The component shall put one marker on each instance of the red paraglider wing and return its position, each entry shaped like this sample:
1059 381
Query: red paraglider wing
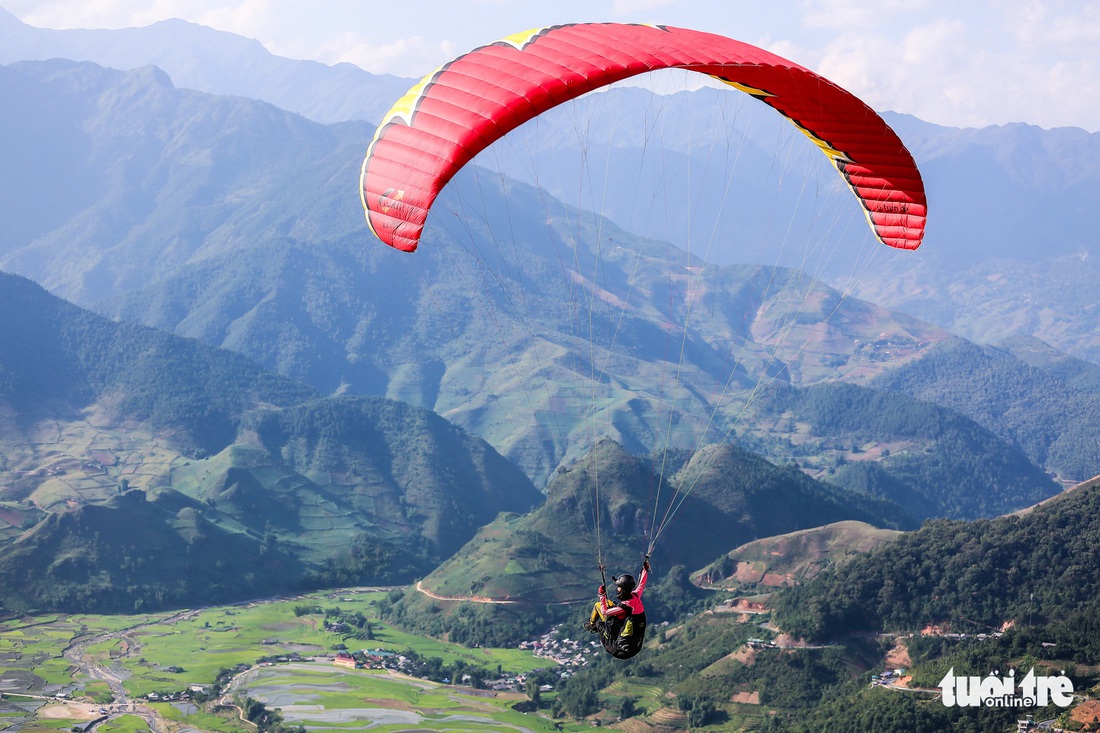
464 106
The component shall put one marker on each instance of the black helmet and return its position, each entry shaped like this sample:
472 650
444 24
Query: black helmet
625 585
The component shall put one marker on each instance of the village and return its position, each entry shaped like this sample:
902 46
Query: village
565 653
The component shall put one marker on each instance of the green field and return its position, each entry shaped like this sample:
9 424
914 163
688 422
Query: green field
124 724
221 637
166 653
339 699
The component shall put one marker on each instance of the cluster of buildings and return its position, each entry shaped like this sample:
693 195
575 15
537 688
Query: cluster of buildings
889 677
568 653
183 696
371 659
562 650
380 659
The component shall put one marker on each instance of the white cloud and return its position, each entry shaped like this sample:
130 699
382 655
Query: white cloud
252 18
850 15
1058 25
411 57
988 64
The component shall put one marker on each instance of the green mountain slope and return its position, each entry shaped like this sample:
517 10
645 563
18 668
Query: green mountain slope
59 360
106 425
1076 373
395 460
723 496
518 566
134 553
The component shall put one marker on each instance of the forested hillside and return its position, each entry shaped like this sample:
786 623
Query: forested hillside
1049 405
59 360
1037 567
1011 594
932 461
137 552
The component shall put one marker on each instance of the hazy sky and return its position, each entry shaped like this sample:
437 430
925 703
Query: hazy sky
953 62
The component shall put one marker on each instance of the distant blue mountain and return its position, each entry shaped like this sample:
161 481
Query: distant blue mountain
1011 246
201 58
112 179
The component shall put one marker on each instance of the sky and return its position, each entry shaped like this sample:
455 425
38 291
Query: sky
964 63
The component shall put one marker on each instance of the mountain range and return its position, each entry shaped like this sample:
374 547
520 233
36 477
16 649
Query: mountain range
118 178
262 262
1010 249
203 59
110 424
109 428
266 255
176 213
246 395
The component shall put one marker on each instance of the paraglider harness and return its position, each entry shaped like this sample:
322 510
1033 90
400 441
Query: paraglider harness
611 628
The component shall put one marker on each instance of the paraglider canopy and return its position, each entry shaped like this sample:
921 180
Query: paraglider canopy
465 105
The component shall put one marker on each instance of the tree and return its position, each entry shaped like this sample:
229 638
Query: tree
579 699
532 688
701 712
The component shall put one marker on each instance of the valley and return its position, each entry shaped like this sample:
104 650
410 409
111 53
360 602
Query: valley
723 665
64 671
199 670
260 473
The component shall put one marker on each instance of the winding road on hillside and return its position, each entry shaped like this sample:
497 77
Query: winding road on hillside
467 599
480 599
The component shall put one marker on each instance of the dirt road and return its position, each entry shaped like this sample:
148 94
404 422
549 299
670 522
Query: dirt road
467 599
